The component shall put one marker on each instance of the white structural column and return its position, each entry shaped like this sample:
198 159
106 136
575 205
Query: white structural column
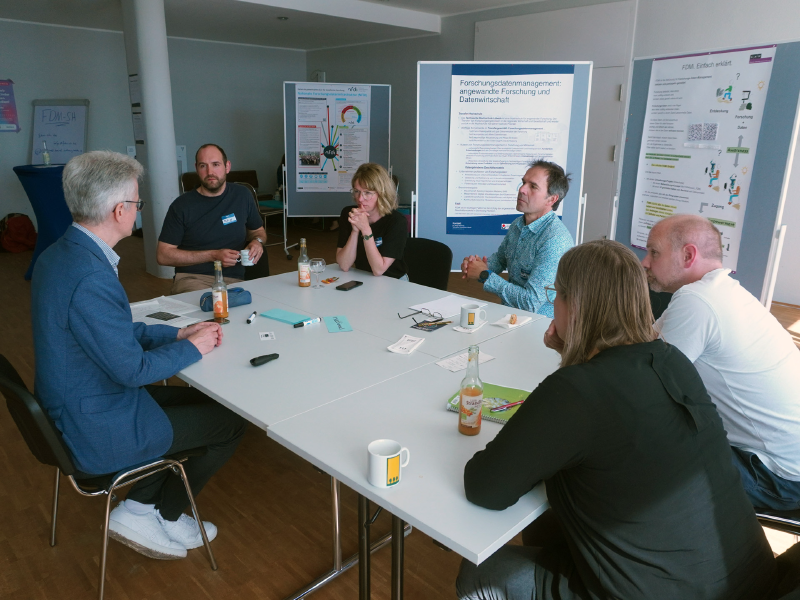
146 50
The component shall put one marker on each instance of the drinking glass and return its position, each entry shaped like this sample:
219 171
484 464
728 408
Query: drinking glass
317 266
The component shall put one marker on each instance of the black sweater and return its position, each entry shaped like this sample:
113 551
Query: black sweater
638 469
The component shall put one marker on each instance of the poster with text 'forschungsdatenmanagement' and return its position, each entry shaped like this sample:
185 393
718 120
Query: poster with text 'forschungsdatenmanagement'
700 136
332 135
502 117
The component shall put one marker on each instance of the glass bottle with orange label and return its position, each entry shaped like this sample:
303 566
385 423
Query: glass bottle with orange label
303 266
219 295
471 404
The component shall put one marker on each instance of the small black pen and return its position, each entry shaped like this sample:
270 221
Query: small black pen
251 318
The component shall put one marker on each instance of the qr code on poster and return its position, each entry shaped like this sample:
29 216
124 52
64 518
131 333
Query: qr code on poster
695 132
710 131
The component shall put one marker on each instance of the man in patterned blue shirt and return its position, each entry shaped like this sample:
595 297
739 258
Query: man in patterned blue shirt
533 245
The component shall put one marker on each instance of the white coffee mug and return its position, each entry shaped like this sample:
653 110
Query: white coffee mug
244 256
472 316
385 462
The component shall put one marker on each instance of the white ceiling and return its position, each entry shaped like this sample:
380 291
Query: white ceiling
312 24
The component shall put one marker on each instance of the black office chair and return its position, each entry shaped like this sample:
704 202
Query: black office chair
258 270
46 444
786 521
659 302
428 262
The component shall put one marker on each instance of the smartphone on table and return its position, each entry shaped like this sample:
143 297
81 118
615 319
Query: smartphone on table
346 287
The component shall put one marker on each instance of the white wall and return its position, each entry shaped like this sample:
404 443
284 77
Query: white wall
228 94
679 26
232 95
59 62
395 63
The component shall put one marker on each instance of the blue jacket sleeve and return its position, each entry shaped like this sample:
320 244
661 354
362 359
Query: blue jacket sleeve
100 320
153 336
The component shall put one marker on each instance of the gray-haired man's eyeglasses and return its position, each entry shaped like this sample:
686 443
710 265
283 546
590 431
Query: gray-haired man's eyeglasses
139 204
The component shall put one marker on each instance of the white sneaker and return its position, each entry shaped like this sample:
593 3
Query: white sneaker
186 531
143 533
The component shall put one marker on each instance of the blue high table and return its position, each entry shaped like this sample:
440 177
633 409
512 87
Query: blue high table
43 186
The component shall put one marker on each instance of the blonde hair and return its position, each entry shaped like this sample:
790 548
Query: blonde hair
372 176
605 288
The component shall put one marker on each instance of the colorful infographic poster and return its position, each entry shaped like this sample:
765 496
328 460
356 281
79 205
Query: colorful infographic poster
9 120
332 135
700 136
502 117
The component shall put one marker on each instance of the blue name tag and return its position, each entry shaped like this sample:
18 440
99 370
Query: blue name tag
228 219
378 241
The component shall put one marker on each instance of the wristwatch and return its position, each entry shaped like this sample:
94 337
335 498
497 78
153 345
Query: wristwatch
484 275
366 237
259 240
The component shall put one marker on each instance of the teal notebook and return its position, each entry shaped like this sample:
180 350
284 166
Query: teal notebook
494 396
284 316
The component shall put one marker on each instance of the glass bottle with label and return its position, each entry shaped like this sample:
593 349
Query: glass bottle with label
45 154
303 267
469 413
219 295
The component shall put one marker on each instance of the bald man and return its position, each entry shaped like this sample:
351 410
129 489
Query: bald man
747 360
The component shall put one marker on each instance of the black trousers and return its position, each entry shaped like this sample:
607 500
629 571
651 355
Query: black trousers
197 421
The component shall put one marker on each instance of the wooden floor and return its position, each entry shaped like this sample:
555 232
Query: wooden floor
271 507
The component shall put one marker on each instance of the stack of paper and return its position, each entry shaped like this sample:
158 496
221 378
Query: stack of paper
406 344
164 311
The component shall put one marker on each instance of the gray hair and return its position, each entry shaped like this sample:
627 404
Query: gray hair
95 182
557 179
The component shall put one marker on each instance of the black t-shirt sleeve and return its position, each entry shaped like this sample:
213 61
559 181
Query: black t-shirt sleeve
173 228
344 227
394 236
550 432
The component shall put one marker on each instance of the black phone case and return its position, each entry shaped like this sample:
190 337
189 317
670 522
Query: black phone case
346 287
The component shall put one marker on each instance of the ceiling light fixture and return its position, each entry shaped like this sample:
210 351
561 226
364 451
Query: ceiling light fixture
283 18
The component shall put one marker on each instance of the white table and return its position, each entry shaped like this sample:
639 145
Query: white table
352 378
373 308
430 495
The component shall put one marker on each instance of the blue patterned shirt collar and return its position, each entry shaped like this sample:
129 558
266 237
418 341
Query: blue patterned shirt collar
112 256
542 221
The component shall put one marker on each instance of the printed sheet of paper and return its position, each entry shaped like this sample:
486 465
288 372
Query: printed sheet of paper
333 124
502 116
699 141
459 362
449 306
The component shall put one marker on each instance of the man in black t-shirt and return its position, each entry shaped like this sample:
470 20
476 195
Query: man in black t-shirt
213 222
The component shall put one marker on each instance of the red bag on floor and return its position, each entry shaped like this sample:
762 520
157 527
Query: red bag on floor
17 233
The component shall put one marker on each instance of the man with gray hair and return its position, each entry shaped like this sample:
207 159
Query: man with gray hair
533 245
93 364
747 360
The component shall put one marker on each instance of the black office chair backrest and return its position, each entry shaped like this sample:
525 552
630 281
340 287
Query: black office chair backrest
258 270
261 268
189 181
428 262
38 431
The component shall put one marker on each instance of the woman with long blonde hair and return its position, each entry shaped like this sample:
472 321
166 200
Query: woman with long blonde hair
645 500
373 234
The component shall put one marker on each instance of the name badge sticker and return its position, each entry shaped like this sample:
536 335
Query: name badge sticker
228 219
378 241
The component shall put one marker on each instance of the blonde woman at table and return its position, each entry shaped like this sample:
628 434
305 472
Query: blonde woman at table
645 500
372 233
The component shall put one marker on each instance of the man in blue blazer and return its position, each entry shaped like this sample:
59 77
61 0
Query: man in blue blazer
93 364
